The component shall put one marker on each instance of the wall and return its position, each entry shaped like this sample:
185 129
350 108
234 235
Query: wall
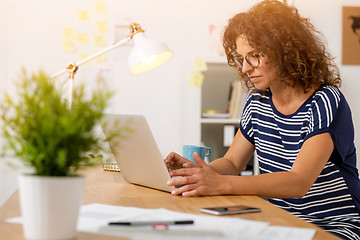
31 37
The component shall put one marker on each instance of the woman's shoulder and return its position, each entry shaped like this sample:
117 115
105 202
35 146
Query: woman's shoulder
326 102
328 90
327 94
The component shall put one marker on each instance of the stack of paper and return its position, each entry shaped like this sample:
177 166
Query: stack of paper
94 218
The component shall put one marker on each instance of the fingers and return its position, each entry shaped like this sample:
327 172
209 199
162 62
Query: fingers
200 162
182 176
196 181
178 181
187 189
192 193
172 157
186 165
182 172
173 160
185 173
189 164
176 161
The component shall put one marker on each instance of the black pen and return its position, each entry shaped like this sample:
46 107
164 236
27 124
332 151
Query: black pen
147 223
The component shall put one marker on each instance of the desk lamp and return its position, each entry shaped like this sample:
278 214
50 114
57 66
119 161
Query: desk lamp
146 55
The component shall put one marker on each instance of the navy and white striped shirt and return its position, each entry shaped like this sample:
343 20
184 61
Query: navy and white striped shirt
333 201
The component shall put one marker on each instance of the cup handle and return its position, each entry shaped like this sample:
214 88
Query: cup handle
208 149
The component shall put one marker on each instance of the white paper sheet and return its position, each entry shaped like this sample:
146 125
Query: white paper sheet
94 218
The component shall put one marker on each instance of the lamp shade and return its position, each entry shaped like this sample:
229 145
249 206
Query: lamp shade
147 54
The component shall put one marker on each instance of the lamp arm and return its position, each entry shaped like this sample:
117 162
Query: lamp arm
85 60
115 45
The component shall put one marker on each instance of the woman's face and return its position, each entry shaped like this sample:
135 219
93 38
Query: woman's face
262 76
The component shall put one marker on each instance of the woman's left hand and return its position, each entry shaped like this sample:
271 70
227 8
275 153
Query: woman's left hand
202 180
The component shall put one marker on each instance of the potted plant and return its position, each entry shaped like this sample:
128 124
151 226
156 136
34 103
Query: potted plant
54 140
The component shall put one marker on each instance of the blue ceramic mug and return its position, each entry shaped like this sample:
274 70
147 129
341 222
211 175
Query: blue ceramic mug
202 151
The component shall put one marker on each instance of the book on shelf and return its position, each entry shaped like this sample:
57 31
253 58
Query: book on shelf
235 96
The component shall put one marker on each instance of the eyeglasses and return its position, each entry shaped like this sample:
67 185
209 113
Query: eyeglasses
253 59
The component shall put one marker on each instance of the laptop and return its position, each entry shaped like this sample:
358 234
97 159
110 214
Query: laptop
136 151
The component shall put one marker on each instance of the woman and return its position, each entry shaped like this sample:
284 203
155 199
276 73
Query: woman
295 118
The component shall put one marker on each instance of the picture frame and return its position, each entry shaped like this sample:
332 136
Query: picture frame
350 35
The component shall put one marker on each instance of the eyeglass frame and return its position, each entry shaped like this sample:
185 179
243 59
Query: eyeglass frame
240 62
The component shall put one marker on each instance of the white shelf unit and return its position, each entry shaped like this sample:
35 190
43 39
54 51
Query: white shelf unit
215 96
220 120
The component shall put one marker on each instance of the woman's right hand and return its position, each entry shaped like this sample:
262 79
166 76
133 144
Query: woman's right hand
175 161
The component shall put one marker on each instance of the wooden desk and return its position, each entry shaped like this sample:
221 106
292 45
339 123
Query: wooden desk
110 188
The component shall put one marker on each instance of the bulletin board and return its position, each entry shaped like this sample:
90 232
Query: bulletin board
351 36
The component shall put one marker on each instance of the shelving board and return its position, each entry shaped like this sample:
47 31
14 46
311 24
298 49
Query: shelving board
220 120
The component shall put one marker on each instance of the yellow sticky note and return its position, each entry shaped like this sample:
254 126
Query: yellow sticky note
100 7
83 56
69 46
99 40
101 58
196 79
199 65
68 33
102 26
83 15
82 38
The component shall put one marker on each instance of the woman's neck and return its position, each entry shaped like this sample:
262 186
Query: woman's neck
287 100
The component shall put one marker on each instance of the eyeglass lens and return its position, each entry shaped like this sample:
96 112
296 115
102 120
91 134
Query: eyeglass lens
253 59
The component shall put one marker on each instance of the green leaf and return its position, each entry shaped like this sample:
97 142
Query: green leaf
42 131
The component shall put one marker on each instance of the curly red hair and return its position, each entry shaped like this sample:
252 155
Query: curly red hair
292 44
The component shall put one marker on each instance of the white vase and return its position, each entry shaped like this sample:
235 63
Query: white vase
50 206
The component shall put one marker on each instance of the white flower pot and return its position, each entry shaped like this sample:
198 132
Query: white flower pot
50 206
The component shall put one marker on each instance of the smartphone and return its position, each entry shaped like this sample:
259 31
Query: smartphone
229 210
